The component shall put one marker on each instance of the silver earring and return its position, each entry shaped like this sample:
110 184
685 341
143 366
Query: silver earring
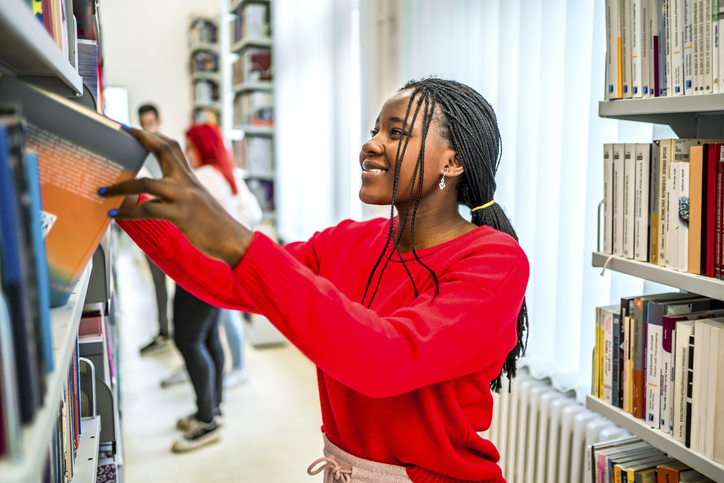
442 182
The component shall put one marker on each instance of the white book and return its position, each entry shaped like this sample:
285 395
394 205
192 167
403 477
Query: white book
625 19
626 358
682 216
613 43
654 334
672 240
688 51
653 31
661 51
696 385
721 50
608 354
676 20
715 47
719 412
696 6
641 204
618 200
684 329
669 91
629 193
704 387
714 325
708 43
636 48
665 158
608 198
645 13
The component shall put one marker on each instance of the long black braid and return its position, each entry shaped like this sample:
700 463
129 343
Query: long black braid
468 123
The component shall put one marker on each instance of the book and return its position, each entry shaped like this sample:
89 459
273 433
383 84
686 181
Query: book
597 351
708 44
641 202
645 7
618 198
710 202
684 330
670 472
608 198
711 333
718 409
629 199
616 359
681 216
665 159
655 49
715 47
608 321
696 6
591 458
688 48
654 204
676 27
637 56
719 190
624 367
689 428
696 180
721 51
662 48
78 152
699 375
672 239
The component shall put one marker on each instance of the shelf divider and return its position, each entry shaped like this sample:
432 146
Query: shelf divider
86 462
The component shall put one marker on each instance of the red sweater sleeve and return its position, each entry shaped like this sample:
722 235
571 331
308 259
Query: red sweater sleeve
470 324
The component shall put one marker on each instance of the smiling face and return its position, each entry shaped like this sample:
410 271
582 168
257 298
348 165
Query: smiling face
378 155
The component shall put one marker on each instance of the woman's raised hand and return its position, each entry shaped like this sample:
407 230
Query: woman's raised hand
180 199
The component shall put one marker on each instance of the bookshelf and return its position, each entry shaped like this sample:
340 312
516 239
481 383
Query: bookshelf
27 51
255 130
246 43
205 70
37 435
252 86
657 438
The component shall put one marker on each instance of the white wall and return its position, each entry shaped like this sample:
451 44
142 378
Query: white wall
145 46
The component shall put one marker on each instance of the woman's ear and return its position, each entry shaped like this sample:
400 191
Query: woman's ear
453 167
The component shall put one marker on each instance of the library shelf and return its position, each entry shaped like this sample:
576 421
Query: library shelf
265 42
249 130
215 106
253 86
36 436
28 52
211 76
707 286
256 175
86 461
235 4
657 438
203 46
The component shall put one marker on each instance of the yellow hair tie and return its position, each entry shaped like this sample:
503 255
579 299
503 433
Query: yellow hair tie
489 203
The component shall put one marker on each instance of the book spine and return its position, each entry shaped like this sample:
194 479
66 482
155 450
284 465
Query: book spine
615 359
654 48
636 47
668 72
719 406
688 61
720 225
710 403
662 48
629 188
608 356
695 375
708 46
712 163
695 36
681 357
641 205
608 198
664 158
702 396
677 49
718 219
596 356
666 388
696 167
618 198
682 216
715 47
630 366
654 204
688 427
624 371
721 51
653 367
645 5
602 349
672 245
639 360
625 19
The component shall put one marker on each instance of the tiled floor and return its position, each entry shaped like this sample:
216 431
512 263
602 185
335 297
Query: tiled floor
272 423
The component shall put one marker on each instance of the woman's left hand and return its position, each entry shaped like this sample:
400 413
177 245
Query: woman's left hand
183 201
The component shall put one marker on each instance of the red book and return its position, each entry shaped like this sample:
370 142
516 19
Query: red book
718 218
710 200
48 17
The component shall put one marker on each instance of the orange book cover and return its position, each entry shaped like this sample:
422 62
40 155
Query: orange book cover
78 151
696 166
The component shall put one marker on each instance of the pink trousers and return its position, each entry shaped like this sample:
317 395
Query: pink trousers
341 467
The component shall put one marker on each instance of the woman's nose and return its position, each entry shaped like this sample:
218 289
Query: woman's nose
372 148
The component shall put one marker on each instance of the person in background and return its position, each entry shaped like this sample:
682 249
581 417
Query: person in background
150 121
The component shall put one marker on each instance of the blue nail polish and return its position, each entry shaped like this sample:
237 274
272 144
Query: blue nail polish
125 126
102 191
113 213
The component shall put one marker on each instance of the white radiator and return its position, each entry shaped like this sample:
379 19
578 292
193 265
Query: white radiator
542 433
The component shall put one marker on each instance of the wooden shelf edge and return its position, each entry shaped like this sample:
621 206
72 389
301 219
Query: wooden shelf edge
657 438
36 436
710 287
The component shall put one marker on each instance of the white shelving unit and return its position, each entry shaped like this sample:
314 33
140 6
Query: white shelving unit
86 461
255 130
657 438
214 77
28 52
246 43
252 86
37 435
203 46
690 117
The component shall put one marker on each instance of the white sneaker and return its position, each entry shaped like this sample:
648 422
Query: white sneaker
185 424
199 434
236 377
177 377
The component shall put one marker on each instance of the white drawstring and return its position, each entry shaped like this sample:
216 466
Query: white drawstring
332 471
605 265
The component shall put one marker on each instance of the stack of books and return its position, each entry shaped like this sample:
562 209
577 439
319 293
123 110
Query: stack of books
205 61
253 65
203 31
663 48
635 461
661 359
205 91
252 23
664 204
54 17
254 153
254 108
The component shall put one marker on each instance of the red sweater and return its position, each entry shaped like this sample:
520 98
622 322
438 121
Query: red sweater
405 382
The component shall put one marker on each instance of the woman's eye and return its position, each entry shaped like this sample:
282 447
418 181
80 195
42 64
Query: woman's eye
373 132
398 132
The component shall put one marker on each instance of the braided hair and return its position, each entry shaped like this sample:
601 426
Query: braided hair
468 123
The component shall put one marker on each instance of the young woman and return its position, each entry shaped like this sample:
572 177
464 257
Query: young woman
196 322
410 321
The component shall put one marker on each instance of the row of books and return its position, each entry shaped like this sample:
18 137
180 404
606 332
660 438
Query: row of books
658 48
255 108
203 31
254 153
54 16
663 204
205 61
205 91
632 460
202 115
661 359
252 22
253 65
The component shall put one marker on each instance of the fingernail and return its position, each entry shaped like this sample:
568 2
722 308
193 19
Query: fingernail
125 126
113 213
102 191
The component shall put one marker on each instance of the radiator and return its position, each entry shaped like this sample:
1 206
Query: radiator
542 433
